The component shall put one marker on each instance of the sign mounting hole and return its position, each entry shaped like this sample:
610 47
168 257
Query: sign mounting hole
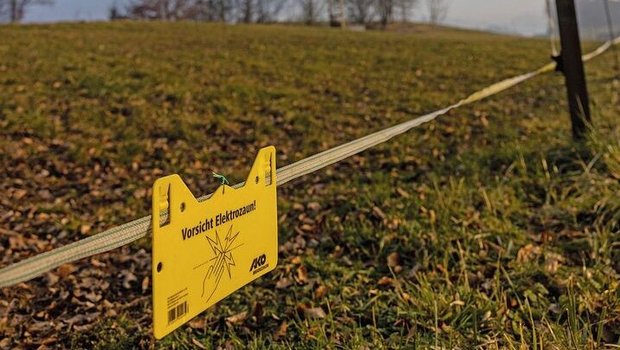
182 207
159 266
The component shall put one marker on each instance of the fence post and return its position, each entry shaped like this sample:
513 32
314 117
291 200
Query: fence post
572 67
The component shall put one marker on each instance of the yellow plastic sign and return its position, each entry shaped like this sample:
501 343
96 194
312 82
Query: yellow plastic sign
204 251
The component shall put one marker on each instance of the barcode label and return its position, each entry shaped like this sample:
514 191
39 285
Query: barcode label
177 311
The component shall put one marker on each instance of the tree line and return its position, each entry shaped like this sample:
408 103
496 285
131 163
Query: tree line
335 12
14 10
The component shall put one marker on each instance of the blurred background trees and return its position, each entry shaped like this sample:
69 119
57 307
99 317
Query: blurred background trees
14 10
437 10
241 11
335 12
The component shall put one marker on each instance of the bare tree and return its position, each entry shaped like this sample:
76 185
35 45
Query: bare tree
361 11
147 9
245 10
405 9
437 10
161 9
268 10
336 11
216 10
16 9
116 13
331 13
201 10
258 11
310 11
385 8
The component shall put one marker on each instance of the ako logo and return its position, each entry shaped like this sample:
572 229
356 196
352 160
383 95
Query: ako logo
259 264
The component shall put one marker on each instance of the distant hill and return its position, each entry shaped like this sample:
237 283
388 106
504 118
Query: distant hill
592 20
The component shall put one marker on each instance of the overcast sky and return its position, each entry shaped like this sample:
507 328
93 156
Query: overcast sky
525 17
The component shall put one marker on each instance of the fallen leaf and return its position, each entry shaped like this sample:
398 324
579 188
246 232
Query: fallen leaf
320 292
19 194
84 229
49 340
302 274
281 331
406 297
145 283
129 277
283 283
82 318
237 319
457 303
197 323
393 260
553 262
140 193
384 281
314 206
306 228
432 216
528 252
51 279
402 192
17 243
198 344
484 121
314 313
65 270
96 263
93 297
378 212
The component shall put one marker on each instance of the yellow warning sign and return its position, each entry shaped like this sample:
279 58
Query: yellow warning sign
204 251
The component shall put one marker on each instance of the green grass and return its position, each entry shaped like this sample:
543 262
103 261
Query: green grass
501 232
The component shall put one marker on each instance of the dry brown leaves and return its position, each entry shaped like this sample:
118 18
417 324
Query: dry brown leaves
52 199
281 331
528 253
310 312
237 319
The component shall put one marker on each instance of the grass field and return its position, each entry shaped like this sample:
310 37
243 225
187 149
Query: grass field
488 228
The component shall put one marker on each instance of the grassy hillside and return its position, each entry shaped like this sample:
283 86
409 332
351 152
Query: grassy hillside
488 228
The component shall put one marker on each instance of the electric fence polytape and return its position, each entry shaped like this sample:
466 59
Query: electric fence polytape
231 196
